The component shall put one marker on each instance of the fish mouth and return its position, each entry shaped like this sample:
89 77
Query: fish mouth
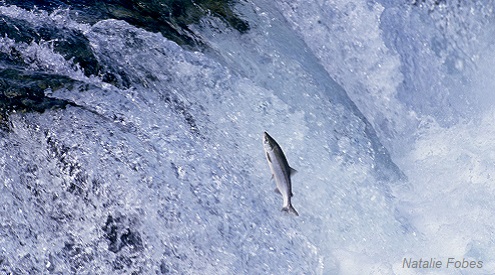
266 137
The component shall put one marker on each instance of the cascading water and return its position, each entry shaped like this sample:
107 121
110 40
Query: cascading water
131 138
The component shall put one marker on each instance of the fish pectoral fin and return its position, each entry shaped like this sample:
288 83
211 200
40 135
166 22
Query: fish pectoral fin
292 171
277 191
268 158
272 176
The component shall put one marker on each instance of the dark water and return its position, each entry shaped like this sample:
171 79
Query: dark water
171 18
22 89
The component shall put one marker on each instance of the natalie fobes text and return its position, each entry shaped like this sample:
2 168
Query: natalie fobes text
433 263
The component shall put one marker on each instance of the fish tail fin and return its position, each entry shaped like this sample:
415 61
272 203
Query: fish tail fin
290 209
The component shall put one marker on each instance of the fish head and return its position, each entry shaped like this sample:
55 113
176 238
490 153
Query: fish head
268 142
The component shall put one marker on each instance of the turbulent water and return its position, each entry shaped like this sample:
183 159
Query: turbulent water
131 136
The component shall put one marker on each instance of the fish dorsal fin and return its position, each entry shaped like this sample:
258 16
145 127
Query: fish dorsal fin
277 191
292 171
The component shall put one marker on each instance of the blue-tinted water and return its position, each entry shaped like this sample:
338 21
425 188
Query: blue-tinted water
130 148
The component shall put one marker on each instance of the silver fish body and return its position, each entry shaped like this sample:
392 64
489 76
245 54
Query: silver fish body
281 171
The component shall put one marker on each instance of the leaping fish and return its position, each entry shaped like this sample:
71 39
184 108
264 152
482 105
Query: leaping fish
281 171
